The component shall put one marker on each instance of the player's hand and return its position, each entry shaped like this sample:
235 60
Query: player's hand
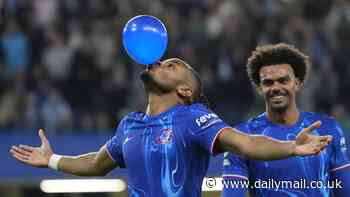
308 144
35 156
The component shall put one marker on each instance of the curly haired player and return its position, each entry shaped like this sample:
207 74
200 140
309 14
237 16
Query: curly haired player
278 72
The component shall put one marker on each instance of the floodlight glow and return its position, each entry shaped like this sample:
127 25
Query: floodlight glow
82 185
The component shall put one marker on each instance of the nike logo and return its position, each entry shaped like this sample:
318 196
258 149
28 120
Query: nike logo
129 138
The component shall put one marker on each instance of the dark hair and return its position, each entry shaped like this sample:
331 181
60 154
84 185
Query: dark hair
198 94
281 53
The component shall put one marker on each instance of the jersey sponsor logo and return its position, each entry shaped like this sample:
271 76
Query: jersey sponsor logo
165 137
205 119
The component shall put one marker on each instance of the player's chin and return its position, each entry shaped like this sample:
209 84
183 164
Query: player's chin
279 106
152 85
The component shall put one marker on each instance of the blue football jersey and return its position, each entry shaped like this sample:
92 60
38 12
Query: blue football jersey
296 173
167 154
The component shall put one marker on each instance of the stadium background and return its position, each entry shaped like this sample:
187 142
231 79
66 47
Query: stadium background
62 68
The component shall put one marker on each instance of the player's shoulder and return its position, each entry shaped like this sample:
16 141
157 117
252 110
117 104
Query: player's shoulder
194 110
128 120
197 115
132 117
258 121
254 124
329 124
198 107
326 120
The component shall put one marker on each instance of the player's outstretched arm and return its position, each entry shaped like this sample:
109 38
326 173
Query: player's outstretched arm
90 164
260 147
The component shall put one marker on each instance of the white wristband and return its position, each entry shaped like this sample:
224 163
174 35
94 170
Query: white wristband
53 162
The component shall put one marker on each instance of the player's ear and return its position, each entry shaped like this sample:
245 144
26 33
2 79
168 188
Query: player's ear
184 91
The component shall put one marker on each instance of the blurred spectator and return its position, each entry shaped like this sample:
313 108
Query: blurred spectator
103 122
75 46
12 104
9 110
2 13
341 114
31 111
57 57
14 44
45 13
86 122
103 44
55 112
326 93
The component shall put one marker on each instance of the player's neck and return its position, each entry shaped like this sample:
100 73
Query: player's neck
159 103
289 116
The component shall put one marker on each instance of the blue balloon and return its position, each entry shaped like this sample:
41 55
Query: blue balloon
145 39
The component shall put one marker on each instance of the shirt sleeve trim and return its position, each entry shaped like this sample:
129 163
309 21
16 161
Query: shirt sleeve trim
214 140
109 154
340 167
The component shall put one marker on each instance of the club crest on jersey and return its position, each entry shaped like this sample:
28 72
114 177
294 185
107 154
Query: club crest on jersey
165 137
205 118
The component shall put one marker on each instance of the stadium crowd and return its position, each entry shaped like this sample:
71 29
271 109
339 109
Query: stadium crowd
63 67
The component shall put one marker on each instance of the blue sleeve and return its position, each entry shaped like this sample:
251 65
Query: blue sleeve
339 157
235 172
205 126
235 176
340 165
115 145
341 182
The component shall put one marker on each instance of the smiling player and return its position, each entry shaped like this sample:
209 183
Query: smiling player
278 72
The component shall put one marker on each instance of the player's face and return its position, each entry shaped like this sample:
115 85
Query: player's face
278 86
164 76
